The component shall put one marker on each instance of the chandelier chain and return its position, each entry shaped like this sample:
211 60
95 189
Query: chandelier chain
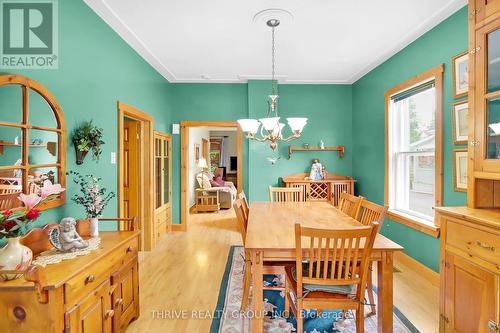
273 72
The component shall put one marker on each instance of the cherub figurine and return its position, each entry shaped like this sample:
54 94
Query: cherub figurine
69 239
316 170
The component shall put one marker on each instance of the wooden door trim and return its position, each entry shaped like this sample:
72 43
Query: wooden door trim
146 165
435 73
185 126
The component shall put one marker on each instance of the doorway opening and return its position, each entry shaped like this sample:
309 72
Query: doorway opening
207 150
135 170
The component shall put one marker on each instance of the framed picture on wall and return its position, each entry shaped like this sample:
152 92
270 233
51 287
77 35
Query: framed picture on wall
460 111
460 169
196 153
460 64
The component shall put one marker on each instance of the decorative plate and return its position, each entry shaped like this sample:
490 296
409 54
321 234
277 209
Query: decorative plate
54 238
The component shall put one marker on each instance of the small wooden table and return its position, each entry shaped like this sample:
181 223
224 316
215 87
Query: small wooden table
271 237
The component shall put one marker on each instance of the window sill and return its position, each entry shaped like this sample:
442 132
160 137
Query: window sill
413 222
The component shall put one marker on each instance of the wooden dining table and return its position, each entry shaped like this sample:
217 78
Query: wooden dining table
271 237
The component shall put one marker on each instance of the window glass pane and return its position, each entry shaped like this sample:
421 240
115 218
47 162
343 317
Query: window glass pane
493 137
40 112
158 173
413 148
43 147
11 151
37 176
11 103
493 60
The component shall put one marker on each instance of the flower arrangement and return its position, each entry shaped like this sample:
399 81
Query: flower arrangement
16 222
92 196
87 137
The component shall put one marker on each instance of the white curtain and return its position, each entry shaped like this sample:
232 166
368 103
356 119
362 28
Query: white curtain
223 152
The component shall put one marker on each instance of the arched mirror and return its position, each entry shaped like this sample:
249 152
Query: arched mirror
32 140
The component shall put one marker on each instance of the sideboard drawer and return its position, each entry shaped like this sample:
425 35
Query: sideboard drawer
82 284
479 243
129 250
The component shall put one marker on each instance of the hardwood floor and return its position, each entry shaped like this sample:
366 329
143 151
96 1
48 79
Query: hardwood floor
183 273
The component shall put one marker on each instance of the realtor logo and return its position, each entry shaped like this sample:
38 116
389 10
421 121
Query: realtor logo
28 34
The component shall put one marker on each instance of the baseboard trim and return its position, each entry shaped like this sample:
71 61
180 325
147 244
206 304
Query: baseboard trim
415 265
178 227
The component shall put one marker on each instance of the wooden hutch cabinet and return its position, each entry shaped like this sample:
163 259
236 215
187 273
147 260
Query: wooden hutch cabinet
470 236
163 184
94 293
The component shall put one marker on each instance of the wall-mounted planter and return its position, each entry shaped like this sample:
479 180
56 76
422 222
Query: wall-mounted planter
80 155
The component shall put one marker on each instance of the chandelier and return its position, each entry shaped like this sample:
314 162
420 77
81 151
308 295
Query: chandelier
272 129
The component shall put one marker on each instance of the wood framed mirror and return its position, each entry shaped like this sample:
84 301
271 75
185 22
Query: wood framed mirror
32 140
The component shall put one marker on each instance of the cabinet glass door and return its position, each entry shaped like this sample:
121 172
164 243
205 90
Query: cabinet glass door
166 172
487 56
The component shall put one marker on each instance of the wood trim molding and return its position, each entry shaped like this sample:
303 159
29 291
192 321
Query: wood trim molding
435 73
177 227
185 125
406 260
417 224
147 225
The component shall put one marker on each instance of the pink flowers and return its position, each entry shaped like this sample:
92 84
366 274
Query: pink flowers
49 189
29 201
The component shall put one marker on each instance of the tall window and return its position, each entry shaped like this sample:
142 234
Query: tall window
413 186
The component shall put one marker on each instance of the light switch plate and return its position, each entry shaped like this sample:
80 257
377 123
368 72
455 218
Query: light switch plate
175 129
113 157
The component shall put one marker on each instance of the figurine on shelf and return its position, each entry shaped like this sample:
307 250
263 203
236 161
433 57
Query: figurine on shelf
324 173
65 238
321 144
316 170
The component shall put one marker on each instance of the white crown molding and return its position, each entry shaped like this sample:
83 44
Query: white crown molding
451 7
108 15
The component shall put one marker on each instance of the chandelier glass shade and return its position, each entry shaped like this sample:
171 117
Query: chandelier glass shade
271 129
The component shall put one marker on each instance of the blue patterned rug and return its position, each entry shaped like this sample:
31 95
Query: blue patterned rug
229 319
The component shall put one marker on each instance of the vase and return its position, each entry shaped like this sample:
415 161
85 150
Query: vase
94 226
14 256
80 156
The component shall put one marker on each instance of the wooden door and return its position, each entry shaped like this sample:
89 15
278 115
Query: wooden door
204 149
131 177
470 297
163 182
93 314
125 295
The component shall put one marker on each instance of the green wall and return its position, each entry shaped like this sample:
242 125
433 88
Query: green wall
96 69
435 47
327 106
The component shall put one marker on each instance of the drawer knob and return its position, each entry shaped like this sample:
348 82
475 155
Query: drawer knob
129 248
109 313
89 279
485 246
19 313
119 301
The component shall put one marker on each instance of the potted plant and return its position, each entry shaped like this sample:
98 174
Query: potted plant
15 223
92 197
87 137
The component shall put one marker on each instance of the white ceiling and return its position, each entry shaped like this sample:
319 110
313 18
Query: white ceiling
327 41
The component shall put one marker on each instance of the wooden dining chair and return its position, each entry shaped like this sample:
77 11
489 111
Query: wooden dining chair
246 207
369 213
330 273
9 195
285 194
276 268
350 204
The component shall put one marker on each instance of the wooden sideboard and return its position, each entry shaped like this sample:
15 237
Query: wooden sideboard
98 292
470 270
321 190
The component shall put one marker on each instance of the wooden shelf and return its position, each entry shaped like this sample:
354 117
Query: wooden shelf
339 149
50 146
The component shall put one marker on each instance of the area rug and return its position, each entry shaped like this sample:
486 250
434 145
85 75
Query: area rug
228 319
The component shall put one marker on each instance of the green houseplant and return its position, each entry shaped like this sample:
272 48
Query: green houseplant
87 137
